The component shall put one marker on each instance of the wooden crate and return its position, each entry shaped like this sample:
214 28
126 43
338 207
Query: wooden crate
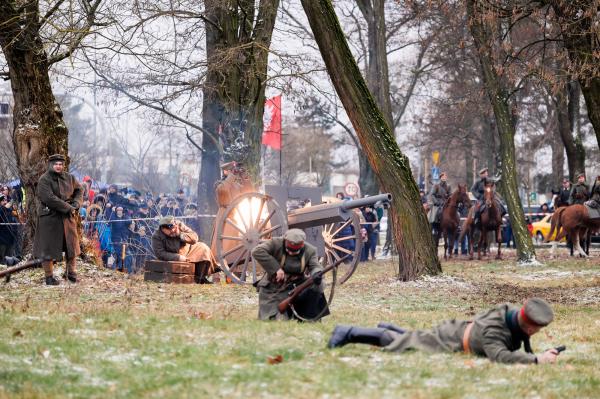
169 272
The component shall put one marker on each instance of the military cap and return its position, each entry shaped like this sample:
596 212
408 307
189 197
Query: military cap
580 174
56 158
483 170
295 236
166 220
537 311
565 179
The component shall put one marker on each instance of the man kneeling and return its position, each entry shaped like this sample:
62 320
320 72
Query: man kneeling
496 334
286 261
174 241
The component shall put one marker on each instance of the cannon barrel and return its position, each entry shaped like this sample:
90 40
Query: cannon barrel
359 203
336 212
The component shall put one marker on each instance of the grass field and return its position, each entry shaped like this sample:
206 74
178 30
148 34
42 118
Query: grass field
114 336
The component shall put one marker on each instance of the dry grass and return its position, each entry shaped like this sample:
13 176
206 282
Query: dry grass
114 336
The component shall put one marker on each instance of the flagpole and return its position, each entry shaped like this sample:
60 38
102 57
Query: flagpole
280 142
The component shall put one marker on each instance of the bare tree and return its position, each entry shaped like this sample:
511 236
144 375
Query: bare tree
417 254
34 36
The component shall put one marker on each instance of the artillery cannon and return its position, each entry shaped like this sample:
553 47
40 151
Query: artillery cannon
253 217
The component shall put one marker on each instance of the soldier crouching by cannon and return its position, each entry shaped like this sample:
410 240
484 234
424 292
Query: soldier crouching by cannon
60 196
174 241
286 261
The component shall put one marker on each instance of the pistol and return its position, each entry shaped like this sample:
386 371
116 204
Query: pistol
560 348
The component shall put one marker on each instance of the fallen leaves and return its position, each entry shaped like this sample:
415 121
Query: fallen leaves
274 359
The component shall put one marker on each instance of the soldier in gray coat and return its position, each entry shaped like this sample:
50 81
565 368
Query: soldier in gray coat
60 196
496 334
580 191
438 197
286 261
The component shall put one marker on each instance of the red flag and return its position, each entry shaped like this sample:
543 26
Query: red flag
272 123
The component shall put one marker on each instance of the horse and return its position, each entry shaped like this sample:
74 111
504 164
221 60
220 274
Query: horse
572 221
490 220
450 219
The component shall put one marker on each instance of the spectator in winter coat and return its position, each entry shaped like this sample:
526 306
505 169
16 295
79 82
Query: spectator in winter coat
7 232
120 234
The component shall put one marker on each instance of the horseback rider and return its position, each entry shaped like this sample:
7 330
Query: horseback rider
580 191
438 197
595 194
562 196
478 191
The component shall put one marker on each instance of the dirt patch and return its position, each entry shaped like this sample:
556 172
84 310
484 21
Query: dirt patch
580 295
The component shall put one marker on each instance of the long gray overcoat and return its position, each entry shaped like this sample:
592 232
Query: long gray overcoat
57 226
491 337
270 256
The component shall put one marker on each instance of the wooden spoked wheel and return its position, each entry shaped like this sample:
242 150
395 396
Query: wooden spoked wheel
338 245
250 219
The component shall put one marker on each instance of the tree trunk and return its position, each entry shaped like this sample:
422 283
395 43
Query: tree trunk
377 78
497 92
566 128
558 159
367 178
38 129
578 22
237 47
417 253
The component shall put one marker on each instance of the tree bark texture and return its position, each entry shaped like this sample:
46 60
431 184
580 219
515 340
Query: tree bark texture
416 251
377 77
558 159
567 129
38 129
238 39
497 91
579 21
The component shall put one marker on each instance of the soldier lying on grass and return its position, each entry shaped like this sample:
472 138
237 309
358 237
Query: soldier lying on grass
496 334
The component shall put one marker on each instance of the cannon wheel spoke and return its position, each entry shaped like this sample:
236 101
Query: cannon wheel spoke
235 242
333 250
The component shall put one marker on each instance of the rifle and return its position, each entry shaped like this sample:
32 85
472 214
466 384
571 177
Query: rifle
286 303
23 266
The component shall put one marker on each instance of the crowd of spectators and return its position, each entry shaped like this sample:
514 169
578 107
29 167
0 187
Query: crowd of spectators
118 222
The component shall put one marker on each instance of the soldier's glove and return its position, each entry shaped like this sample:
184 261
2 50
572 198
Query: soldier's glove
318 278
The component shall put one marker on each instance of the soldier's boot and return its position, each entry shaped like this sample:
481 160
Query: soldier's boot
71 272
49 273
391 327
343 335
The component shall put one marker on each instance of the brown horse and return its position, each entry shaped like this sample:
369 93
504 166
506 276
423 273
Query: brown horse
490 220
450 218
572 221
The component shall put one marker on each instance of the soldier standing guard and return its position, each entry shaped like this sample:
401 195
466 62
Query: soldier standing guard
439 195
580 191
60 196
286 260
496 334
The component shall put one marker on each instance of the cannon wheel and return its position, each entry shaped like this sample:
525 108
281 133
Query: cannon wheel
251 218
332 246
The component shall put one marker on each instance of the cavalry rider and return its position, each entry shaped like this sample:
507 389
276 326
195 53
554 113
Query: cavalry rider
497 334
580 191
595 194
438 197
478 189
562 197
